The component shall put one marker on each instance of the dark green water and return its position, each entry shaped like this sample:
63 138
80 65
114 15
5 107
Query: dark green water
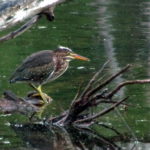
100 30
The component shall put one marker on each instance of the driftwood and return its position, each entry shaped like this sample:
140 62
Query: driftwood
13 12
78 114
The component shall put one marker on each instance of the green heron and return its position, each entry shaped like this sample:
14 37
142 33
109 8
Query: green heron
44 66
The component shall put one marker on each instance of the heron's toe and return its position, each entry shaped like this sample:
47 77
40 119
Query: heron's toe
48 98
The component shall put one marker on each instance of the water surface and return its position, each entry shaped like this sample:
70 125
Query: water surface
100 30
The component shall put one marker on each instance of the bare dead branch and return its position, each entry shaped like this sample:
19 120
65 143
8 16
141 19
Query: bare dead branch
93 91
89 85
111 128
21 30
110 102
121 85
103 112
76 96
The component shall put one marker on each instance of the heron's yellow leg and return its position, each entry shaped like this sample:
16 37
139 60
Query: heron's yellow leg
44 98
39 89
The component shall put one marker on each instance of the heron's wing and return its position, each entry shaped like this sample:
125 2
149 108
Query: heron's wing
37 59
35 68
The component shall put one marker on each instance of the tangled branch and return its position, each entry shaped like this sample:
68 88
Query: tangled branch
94 94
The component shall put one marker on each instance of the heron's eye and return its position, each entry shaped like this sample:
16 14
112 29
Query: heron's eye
68 54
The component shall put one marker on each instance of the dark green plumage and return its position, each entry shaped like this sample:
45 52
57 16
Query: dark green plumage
35 68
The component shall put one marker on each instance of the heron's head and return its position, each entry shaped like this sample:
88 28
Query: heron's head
68 54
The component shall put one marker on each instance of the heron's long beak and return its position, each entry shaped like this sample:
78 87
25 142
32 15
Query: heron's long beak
76 56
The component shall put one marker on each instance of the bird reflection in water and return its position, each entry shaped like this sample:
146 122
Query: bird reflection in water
44 137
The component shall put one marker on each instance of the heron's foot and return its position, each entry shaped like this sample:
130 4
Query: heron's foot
37 100
47 98
44 96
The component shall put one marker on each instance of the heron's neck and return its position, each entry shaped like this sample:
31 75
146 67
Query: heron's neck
61 64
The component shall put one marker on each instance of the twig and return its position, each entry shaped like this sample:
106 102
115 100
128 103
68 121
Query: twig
10 96
110 102
121 85
89 86
98 138
21 30
77 95
111 128
108 81
102 112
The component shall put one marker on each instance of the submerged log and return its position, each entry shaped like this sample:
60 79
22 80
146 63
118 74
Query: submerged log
10 103
94 94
